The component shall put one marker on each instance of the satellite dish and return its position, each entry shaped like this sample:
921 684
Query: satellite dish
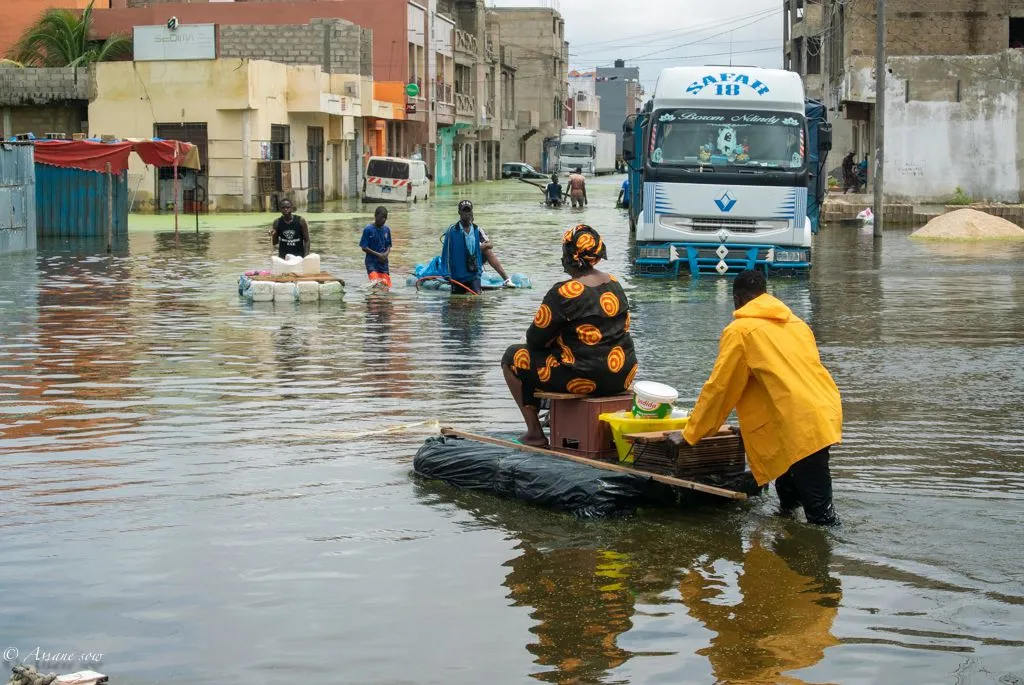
172 23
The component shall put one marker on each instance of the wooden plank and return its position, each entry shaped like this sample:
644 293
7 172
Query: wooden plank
545 395
658 436
668 480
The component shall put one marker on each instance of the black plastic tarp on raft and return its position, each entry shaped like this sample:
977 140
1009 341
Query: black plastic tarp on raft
585 491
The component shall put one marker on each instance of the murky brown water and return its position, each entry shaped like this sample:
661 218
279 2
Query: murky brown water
213 492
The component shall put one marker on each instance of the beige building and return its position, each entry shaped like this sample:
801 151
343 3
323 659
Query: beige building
241 113
537 35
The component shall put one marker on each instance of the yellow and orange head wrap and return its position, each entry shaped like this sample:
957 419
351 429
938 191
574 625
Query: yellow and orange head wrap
582 247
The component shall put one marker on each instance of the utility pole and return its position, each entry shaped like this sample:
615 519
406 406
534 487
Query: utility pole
880 73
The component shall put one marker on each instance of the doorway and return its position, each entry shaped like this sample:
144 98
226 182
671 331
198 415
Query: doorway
192 184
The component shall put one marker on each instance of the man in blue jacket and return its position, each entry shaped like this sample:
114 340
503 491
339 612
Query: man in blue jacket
464 250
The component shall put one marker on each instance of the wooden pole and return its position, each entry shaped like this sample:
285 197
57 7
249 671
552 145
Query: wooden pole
667 480
110 208
176 189
880 72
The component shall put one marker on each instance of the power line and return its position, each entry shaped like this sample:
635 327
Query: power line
714 35
646 38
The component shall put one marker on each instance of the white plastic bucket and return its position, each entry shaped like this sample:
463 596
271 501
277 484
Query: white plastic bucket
653 400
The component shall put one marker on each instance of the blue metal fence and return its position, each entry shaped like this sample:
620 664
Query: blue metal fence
72 203
17 198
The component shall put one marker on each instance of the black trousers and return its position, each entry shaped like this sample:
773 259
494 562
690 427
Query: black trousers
809 483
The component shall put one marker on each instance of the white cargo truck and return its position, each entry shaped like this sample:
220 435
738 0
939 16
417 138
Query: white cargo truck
592 151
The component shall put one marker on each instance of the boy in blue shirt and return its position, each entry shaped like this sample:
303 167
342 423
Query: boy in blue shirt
376 243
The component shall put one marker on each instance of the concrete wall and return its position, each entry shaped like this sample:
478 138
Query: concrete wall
32 86
954 121
43 119
43 100
334 44
953 27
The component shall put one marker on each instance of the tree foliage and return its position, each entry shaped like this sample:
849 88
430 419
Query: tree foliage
60 38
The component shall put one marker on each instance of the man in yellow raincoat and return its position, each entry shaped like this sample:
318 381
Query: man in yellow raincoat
789 409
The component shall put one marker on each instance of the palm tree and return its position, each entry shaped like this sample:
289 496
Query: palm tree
60 38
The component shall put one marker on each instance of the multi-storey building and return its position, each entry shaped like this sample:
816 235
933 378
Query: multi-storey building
583 109
619 88
539 91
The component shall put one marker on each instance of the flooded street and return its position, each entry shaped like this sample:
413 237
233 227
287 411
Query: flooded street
210 491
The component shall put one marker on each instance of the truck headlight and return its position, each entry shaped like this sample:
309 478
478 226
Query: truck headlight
654 252
796 255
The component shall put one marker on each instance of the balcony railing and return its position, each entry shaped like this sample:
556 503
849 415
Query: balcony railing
445 93
446 112
465 42
465 105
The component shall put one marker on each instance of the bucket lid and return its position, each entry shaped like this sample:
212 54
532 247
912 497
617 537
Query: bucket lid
659 392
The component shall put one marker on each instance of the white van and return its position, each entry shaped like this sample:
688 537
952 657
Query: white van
393 179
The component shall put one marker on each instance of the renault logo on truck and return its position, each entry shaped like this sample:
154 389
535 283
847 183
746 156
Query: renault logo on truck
727 83
726 202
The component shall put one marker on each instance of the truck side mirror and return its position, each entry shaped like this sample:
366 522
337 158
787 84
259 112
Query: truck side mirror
824 136
628 127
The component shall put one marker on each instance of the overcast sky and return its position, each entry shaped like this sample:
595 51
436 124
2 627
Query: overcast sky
654 34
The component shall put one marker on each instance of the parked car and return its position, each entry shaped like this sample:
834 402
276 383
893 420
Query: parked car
519 170
393 179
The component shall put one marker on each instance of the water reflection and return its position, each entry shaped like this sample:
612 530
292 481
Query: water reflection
771 612
72 380
758 604
186 241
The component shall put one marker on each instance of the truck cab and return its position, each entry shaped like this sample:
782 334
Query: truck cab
593 152
720 170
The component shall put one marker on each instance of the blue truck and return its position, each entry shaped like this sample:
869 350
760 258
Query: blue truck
726 171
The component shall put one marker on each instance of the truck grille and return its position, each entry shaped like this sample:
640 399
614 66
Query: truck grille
734 253
712 224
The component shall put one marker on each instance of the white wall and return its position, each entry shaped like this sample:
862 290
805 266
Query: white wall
934 143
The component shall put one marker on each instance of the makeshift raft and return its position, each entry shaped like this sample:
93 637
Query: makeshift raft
430 276
583 475
290 288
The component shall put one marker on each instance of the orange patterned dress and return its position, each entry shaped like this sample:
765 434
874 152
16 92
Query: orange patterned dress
579 342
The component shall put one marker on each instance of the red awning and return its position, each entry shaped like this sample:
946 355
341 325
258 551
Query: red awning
92 156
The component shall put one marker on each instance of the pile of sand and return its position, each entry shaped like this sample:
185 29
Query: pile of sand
969 224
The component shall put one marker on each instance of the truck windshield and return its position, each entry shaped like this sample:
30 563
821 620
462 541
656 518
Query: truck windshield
748 138
576 150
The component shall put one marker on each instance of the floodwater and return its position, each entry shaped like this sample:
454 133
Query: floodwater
206 491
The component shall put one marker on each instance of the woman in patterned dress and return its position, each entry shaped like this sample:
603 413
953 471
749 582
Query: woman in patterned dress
579 340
